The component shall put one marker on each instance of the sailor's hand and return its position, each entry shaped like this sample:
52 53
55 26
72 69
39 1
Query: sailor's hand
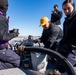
36 40
21 48
16 32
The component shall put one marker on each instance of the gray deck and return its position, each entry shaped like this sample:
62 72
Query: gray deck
12 71
17 71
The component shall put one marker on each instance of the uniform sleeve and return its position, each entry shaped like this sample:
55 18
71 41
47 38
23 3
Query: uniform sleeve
54 34
4 35
42 36
58 14
68 45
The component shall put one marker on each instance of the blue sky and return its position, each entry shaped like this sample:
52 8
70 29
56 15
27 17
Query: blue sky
25 14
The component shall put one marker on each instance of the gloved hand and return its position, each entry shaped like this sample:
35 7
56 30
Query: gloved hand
36 40
16 32
21 48
48 44
11 31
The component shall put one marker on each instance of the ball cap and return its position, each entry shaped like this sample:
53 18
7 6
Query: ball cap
43 21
